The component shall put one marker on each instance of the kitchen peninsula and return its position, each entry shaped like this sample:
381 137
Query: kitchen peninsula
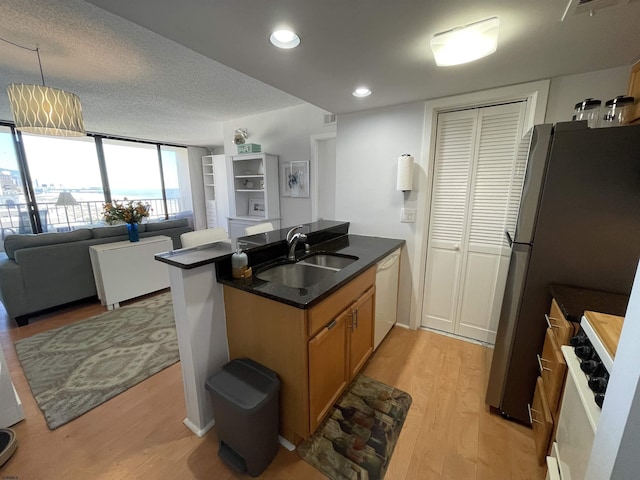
197 276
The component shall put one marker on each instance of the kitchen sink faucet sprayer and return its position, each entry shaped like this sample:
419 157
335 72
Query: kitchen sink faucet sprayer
293 237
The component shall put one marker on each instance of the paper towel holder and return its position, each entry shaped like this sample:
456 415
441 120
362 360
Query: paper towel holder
405 173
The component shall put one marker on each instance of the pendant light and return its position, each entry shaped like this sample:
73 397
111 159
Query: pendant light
45 110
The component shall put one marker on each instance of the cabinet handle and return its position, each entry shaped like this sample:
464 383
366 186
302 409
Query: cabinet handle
551 325
531 419
355 318
540 360
332 324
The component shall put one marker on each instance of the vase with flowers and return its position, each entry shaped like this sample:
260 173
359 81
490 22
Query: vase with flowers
128 211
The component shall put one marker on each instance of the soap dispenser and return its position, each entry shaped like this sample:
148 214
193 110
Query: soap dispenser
239 265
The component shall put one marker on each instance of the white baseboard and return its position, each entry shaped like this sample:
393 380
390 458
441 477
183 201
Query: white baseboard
199 431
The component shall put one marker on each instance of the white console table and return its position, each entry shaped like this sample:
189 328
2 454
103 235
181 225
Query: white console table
125 270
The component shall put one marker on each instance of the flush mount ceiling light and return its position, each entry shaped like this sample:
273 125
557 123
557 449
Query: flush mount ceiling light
361 92
45 110
467 43
284 39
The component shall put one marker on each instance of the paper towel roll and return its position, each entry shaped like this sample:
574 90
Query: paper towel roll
405 173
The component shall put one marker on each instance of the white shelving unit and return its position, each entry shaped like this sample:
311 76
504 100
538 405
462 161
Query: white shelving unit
256 194
216 190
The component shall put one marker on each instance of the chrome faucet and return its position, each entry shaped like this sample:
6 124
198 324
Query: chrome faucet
293 237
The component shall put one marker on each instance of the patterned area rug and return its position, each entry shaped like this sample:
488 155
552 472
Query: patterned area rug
77 367
356 440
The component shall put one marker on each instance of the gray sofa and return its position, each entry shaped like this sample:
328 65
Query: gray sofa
45 270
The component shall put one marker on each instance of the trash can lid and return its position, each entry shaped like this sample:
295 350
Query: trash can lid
244 383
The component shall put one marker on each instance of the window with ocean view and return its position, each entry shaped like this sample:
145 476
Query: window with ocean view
54 184
66 181
133 170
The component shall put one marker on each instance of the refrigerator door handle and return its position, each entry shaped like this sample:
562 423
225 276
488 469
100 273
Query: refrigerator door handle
509 239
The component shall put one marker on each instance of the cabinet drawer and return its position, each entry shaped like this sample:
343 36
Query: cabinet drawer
562 328
553 370
332 306
541 421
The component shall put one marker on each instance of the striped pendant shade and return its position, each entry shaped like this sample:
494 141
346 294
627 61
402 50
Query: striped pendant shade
45 110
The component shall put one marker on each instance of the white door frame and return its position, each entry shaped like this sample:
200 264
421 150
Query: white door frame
315 141
536 94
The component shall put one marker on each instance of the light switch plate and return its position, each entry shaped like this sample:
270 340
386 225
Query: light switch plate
407 215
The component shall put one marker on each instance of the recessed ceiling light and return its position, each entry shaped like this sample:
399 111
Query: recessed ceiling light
361 92
284 39
467 43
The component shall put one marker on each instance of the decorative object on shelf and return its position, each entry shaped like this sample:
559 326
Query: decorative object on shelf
360 433
66 200
256 207
295 179
44 110
240 136
405 173
249 148
132 230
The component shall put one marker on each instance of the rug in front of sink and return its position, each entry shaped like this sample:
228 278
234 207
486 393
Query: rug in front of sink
357 438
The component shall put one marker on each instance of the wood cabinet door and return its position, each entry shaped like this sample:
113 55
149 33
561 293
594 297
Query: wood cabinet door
553 370
328 368
361 331
541 421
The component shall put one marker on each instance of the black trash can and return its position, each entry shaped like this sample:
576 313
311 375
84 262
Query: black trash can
245 398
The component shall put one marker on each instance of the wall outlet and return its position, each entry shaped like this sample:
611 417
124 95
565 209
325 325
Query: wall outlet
407 215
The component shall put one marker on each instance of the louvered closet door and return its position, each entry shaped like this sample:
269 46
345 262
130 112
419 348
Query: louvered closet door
473 201
455 144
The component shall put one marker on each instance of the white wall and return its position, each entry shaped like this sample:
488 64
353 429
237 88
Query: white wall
566 91
286 133
368 146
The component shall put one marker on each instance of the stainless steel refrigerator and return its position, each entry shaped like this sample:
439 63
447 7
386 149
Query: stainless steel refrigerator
578 225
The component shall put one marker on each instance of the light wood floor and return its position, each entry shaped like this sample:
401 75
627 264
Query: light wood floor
449 432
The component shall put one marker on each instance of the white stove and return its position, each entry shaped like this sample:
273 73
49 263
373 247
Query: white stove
588 363
597 343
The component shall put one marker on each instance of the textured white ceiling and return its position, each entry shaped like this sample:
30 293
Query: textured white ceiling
131 81
136 83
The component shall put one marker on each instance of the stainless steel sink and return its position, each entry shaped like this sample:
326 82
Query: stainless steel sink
328 260
295 275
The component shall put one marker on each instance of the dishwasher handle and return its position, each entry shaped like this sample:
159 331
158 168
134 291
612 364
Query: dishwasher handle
389 261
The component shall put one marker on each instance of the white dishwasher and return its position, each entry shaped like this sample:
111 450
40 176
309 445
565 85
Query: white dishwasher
387 275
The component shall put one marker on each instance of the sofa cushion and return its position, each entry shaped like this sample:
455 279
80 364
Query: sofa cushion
156 226
114 230
17 242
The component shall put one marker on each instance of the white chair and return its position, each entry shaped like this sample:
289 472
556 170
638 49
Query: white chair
259 228
200 237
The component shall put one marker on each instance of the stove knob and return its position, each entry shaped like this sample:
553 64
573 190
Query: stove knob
580 339
589 366
598 384
585 352
599 398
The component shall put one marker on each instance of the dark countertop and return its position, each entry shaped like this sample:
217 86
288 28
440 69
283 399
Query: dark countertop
266 248
254 245
369 251
573 301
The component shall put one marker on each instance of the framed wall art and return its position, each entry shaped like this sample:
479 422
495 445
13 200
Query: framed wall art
295 179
